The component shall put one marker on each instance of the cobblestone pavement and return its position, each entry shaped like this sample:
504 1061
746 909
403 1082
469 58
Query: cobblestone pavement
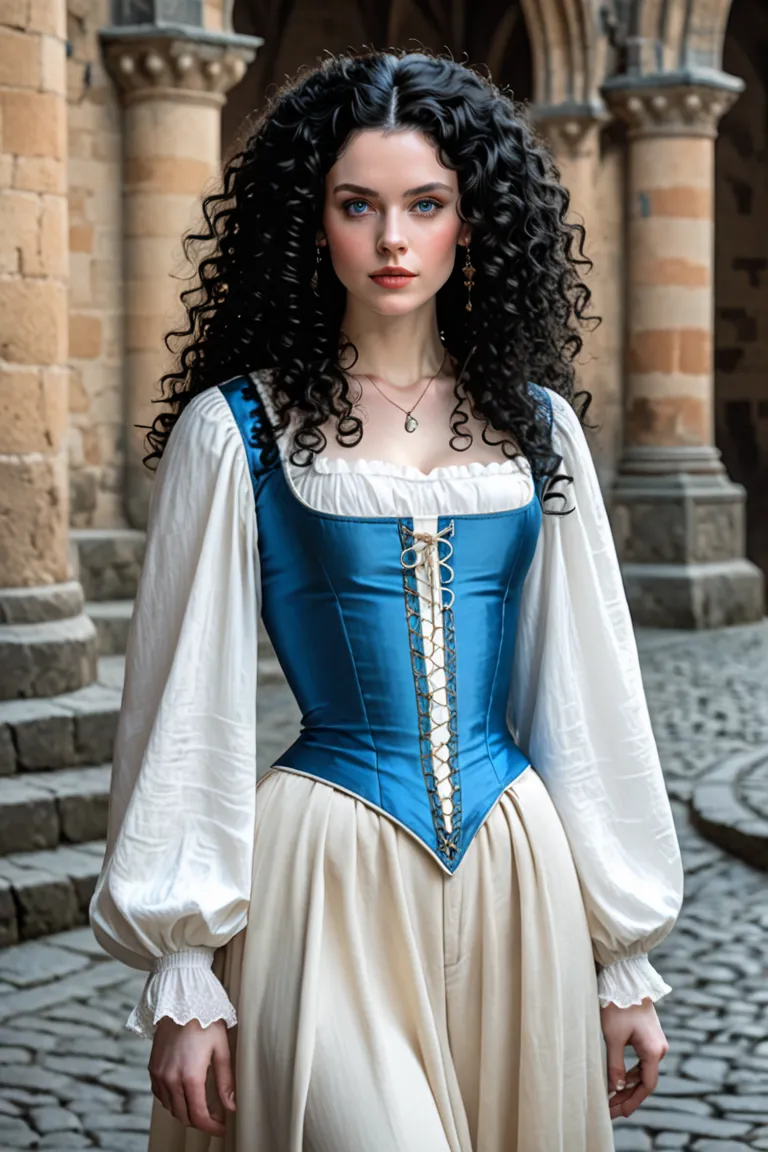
71 1077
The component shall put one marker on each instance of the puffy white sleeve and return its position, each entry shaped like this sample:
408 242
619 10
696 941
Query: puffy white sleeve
175 882
578 710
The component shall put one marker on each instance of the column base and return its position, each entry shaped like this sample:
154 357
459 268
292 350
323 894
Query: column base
47 643
694 595
679 526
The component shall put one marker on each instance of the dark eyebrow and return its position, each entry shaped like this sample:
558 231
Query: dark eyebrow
433 187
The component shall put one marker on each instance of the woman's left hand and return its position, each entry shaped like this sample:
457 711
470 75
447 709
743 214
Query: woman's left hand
639 1026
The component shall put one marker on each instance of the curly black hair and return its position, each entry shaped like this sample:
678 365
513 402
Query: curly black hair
260 303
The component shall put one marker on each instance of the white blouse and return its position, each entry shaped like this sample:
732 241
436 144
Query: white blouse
176 880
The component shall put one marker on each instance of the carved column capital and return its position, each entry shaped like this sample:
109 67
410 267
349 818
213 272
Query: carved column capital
146 61
672 104
569 127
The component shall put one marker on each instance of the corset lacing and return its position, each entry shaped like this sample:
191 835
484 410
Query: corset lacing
429 603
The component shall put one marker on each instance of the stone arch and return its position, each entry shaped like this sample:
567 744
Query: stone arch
565 44
666 37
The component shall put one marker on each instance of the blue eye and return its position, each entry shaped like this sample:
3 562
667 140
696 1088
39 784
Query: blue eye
433 207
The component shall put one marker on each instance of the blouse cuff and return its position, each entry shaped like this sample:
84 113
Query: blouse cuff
183 987
629 981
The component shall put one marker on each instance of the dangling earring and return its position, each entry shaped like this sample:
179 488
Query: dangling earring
317 265
469 273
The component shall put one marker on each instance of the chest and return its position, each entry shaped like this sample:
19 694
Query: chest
440 432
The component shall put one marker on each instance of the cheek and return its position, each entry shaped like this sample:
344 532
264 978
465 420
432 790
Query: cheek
350 246
437 245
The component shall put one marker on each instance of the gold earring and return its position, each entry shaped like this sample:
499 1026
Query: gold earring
313 281
469 273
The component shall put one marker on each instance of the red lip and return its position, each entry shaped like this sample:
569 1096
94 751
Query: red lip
390 270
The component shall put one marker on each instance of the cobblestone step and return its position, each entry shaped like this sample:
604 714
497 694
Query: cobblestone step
77 729
44 809
74 729
111 619
730 806
48 891
107 561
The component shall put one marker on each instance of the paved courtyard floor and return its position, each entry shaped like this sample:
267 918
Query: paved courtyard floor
71 1077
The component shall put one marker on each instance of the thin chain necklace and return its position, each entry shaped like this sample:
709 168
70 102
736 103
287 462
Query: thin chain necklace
411 423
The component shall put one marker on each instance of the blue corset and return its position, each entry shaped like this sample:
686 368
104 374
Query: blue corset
415 728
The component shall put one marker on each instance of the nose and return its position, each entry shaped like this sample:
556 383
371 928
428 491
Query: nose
392 238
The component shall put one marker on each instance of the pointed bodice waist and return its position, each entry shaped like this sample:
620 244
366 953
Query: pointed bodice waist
396 636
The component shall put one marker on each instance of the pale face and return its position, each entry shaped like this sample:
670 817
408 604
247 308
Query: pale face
389 201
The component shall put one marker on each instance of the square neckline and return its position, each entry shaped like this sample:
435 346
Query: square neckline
284 466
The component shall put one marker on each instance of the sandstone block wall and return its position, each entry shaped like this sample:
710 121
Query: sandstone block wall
95 179
33 300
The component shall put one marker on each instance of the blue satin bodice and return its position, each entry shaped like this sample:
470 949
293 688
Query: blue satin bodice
340 604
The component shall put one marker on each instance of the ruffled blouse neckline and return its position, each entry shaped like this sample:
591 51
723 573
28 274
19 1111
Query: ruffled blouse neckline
364 467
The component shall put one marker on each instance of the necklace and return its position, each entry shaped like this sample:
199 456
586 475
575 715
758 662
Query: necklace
411 423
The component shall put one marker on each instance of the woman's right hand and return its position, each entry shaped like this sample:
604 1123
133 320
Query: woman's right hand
178 1069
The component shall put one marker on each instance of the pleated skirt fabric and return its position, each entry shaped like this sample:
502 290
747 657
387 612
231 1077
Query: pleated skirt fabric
385 1006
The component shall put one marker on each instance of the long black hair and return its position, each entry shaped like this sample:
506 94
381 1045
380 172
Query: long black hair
261 303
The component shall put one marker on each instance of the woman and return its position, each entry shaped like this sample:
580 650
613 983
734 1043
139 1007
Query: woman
453 877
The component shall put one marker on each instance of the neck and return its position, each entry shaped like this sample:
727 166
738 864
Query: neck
402 350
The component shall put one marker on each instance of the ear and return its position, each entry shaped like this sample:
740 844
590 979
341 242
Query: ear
465 235
321 240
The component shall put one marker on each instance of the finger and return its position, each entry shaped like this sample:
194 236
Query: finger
615 1056
634 1076
160 1091
617 1101
215 1106
216 1109
649 1067
197 1107
633 1079
222 1071
178 1102
633 1101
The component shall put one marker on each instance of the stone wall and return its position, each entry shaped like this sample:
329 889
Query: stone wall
599 367
96 451
33 272
98 441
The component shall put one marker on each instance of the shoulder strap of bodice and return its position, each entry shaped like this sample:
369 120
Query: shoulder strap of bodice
543 399
249 409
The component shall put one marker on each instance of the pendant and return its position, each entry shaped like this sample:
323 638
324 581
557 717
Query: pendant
411 423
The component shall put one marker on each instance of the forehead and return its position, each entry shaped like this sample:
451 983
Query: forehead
390 162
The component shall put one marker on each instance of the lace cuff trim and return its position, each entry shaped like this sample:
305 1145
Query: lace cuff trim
629 981
184 988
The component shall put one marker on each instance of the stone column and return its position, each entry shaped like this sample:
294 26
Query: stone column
572 131
174 82
678 518
47 644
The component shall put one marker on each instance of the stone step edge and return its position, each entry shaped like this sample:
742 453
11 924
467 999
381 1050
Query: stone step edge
43 810
71 730
48 891
112 621
107 561
719 812
109 609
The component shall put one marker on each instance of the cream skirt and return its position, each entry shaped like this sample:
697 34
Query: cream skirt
385 1006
